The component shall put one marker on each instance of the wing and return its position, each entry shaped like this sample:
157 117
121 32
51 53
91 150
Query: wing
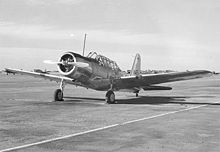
152 79
43 76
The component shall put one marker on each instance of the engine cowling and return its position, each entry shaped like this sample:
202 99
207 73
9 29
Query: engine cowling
65 68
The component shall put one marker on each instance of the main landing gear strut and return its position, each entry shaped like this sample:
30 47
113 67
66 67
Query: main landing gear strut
58 94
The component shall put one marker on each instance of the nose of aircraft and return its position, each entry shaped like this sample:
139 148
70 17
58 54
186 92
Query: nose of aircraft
67 63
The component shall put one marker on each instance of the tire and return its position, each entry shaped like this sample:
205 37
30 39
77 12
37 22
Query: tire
110 97
58 95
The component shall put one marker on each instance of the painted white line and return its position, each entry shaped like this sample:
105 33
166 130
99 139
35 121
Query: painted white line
102 128
163 114
58 138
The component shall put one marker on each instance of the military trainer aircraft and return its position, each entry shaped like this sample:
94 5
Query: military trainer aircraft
100 73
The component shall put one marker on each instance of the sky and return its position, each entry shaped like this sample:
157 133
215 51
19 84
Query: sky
169 34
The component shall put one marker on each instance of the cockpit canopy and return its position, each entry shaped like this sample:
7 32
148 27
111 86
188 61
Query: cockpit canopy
104 61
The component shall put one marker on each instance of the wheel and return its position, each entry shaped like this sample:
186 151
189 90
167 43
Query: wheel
110 97
136 94
58 95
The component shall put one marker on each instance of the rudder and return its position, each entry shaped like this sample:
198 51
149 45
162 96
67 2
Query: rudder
136 67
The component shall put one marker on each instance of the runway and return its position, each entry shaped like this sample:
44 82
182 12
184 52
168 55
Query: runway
184 119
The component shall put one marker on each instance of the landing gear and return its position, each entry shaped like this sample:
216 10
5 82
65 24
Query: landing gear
58 94
110 97
136 93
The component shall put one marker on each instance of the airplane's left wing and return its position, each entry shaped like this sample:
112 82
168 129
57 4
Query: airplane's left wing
146 80
43 76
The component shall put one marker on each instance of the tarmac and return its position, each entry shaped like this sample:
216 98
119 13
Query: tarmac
183 119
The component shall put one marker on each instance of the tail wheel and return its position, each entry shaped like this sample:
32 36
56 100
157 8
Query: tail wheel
110 97
58 95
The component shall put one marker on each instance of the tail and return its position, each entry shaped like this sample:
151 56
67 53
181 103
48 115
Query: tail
136 68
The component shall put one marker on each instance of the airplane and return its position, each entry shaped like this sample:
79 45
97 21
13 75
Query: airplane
100 73
41 71
8 71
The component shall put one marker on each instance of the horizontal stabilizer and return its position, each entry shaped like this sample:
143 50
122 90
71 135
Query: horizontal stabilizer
156 88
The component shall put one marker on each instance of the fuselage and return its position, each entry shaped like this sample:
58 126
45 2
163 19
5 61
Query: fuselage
98 75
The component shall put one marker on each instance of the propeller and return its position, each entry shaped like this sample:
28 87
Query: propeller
77 64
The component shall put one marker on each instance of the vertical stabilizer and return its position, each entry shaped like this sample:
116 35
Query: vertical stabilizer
136 68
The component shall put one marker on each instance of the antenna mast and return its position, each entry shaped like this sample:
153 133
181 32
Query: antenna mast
84 44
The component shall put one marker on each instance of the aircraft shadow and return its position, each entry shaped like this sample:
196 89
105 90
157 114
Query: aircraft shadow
160 100
83 101
153 100
83 98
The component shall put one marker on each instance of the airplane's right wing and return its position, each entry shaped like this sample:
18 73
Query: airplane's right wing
43 76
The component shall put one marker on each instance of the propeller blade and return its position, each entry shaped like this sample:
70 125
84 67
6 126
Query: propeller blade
52 62
79 64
